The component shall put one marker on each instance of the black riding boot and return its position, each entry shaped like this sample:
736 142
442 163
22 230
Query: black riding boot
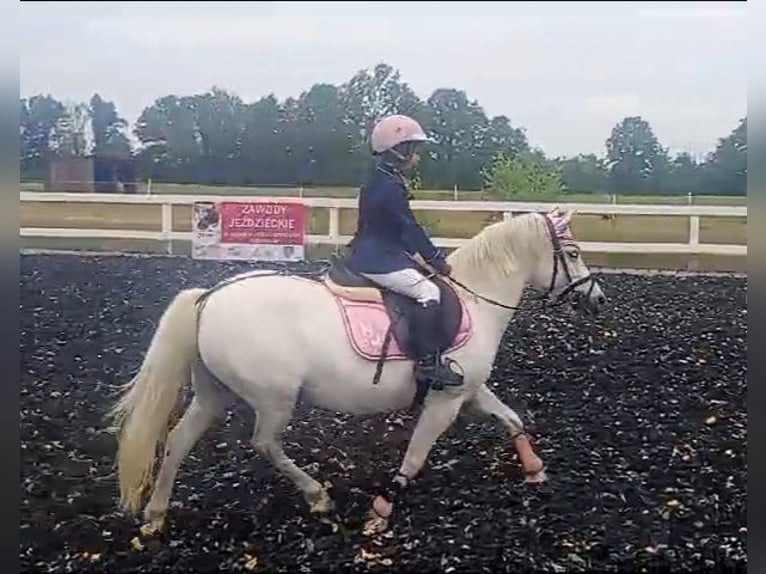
430 367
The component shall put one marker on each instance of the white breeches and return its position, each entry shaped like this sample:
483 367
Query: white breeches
408 282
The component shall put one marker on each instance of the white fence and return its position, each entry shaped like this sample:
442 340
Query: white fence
334 205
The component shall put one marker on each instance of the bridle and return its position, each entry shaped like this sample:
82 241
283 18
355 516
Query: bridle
559 258
559 261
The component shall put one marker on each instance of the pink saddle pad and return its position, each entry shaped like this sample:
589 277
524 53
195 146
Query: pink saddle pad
367 323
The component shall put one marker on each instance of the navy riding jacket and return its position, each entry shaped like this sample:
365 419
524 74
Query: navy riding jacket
387 230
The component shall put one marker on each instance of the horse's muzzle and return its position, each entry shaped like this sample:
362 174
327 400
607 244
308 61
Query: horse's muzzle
594 300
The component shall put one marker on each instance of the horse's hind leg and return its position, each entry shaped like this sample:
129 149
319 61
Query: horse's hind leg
272 418
206 405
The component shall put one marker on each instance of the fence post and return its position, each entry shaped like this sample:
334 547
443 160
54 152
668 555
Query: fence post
694 230
167 227
334 230
693 262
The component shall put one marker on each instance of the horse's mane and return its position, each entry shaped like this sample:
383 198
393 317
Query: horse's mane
504 245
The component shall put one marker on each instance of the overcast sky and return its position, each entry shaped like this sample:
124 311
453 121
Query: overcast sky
567 72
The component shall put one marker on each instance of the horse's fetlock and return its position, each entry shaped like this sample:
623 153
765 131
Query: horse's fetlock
394 488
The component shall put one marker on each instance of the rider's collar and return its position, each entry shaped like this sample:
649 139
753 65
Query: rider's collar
392 171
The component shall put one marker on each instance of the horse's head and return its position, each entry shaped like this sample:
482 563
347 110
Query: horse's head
532 249
563 275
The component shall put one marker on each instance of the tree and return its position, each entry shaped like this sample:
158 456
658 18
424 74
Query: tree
584 174
371 94
684 175
521 177
725 171
321 137
72 135
218 125
459 127
634 157
326 150
264 142
171 141
40 119
107 127
502 138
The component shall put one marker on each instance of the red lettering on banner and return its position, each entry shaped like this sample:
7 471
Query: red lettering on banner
263 223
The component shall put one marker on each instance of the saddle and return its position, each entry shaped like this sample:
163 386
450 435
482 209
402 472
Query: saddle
380 323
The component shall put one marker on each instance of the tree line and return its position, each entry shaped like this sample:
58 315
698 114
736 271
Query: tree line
320 138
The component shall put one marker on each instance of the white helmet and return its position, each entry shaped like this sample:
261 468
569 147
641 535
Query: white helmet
394 130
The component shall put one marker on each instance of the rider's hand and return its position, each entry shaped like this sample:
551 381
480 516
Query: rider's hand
443 267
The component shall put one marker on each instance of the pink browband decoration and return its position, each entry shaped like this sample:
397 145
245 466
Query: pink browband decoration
560 223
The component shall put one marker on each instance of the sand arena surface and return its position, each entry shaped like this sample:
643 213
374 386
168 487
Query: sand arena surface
639 414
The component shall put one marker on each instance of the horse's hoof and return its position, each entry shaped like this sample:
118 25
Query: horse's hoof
321 504
154 521
153 527
535 477
375 525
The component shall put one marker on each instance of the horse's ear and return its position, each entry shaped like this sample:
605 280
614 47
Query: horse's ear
554 210
568 215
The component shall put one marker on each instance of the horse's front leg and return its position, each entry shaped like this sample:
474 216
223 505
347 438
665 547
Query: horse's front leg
486 403
439 412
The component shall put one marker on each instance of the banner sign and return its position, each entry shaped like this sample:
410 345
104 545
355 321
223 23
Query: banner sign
249 230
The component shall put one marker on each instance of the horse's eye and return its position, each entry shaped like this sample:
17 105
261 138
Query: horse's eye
574 254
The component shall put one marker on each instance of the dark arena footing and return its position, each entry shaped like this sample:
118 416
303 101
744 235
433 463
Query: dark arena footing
639 414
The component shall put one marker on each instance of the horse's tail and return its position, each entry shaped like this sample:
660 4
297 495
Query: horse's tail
142 414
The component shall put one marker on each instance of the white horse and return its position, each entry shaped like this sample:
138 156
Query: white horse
266 337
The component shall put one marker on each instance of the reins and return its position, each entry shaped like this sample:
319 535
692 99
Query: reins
482 297
558 258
